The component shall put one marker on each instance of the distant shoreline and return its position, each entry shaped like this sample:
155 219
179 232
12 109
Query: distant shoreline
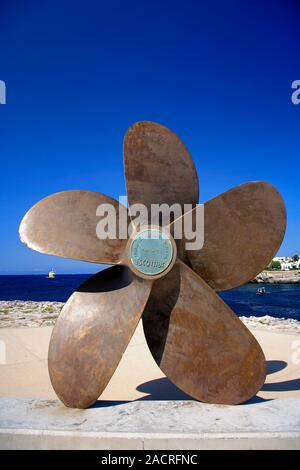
267 277
278 277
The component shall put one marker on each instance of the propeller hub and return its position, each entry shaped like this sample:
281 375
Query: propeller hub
152 253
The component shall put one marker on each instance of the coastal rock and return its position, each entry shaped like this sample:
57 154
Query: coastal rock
286 325
18 313
278 277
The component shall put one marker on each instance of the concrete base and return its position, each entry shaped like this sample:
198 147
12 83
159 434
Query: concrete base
147 424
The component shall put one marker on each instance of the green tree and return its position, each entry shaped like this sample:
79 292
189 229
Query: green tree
295 258
276 265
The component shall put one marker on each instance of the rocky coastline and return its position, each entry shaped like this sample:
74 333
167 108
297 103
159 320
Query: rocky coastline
18 313
278 277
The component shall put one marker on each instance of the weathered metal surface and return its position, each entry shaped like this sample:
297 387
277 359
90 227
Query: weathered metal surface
243 230
194 337
199 343
64 224
158 167
92 333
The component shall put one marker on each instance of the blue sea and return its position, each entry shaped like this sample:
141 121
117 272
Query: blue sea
281 300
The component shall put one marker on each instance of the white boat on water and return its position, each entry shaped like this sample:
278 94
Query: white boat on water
261 291
51 274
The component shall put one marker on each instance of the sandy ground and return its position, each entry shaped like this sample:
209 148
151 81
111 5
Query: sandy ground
25 372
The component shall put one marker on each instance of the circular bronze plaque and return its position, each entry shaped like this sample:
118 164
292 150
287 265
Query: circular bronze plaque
151 252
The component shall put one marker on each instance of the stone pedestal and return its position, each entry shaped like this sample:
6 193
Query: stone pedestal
147 424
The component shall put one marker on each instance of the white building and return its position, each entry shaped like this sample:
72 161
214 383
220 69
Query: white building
282 259
296 264
286 266
287 263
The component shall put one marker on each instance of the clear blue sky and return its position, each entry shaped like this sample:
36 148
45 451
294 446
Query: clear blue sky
78 73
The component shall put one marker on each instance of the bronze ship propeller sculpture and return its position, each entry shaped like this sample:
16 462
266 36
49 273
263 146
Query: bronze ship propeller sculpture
194 337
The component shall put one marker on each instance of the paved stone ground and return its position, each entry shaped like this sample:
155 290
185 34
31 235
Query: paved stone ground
141 408
147 424
25 372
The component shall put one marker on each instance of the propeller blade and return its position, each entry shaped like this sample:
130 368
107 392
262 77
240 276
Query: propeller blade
199 343
243 230
158 168
64 224
92 333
